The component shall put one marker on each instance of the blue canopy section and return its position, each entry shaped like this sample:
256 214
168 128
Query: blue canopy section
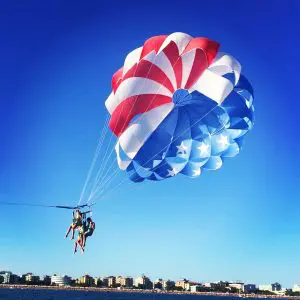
197 135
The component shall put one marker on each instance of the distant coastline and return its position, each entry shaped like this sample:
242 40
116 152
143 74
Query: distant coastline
139 291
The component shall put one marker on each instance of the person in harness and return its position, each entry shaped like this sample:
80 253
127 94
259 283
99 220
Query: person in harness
80 237
91 226
76 223
85 230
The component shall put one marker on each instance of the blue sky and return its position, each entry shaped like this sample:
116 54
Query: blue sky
241 222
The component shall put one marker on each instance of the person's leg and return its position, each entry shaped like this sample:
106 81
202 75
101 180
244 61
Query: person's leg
69 229
83 240
80 243
73 231
75 247
86 235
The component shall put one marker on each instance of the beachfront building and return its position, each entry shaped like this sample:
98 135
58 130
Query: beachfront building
124 281
45 279
164 284
60 280
31 279
86 280
196 288
8 277
207 284
190 284
239 286
105 282
98 281
111 281
296 288
5 275
118 280
182 284
273 287
217 286
143 282
250 288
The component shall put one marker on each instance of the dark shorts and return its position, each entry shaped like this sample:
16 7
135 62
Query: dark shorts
88 233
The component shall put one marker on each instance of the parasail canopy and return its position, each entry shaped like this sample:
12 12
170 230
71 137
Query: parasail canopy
178 106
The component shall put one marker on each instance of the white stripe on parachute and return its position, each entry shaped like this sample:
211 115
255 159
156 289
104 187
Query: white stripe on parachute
187 64
137 133
224 64
212 83
134 86
131 59
162 62
179 38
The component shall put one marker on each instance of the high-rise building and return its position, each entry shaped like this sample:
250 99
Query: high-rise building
45 279
237 285
9 278
143 282
196 288
250 288
105 282
124 281
183 284
273 287
86 280
5 276
60 280
111 281
98 281
31 279
118 280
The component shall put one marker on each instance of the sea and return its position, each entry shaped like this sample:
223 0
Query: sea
37 294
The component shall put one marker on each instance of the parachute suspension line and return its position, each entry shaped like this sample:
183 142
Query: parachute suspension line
195 123
104 160
103 163
101 145
112 150
104 175
139 117
106 189
135 187
103 139
105 184
100 178
97 152
103 194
